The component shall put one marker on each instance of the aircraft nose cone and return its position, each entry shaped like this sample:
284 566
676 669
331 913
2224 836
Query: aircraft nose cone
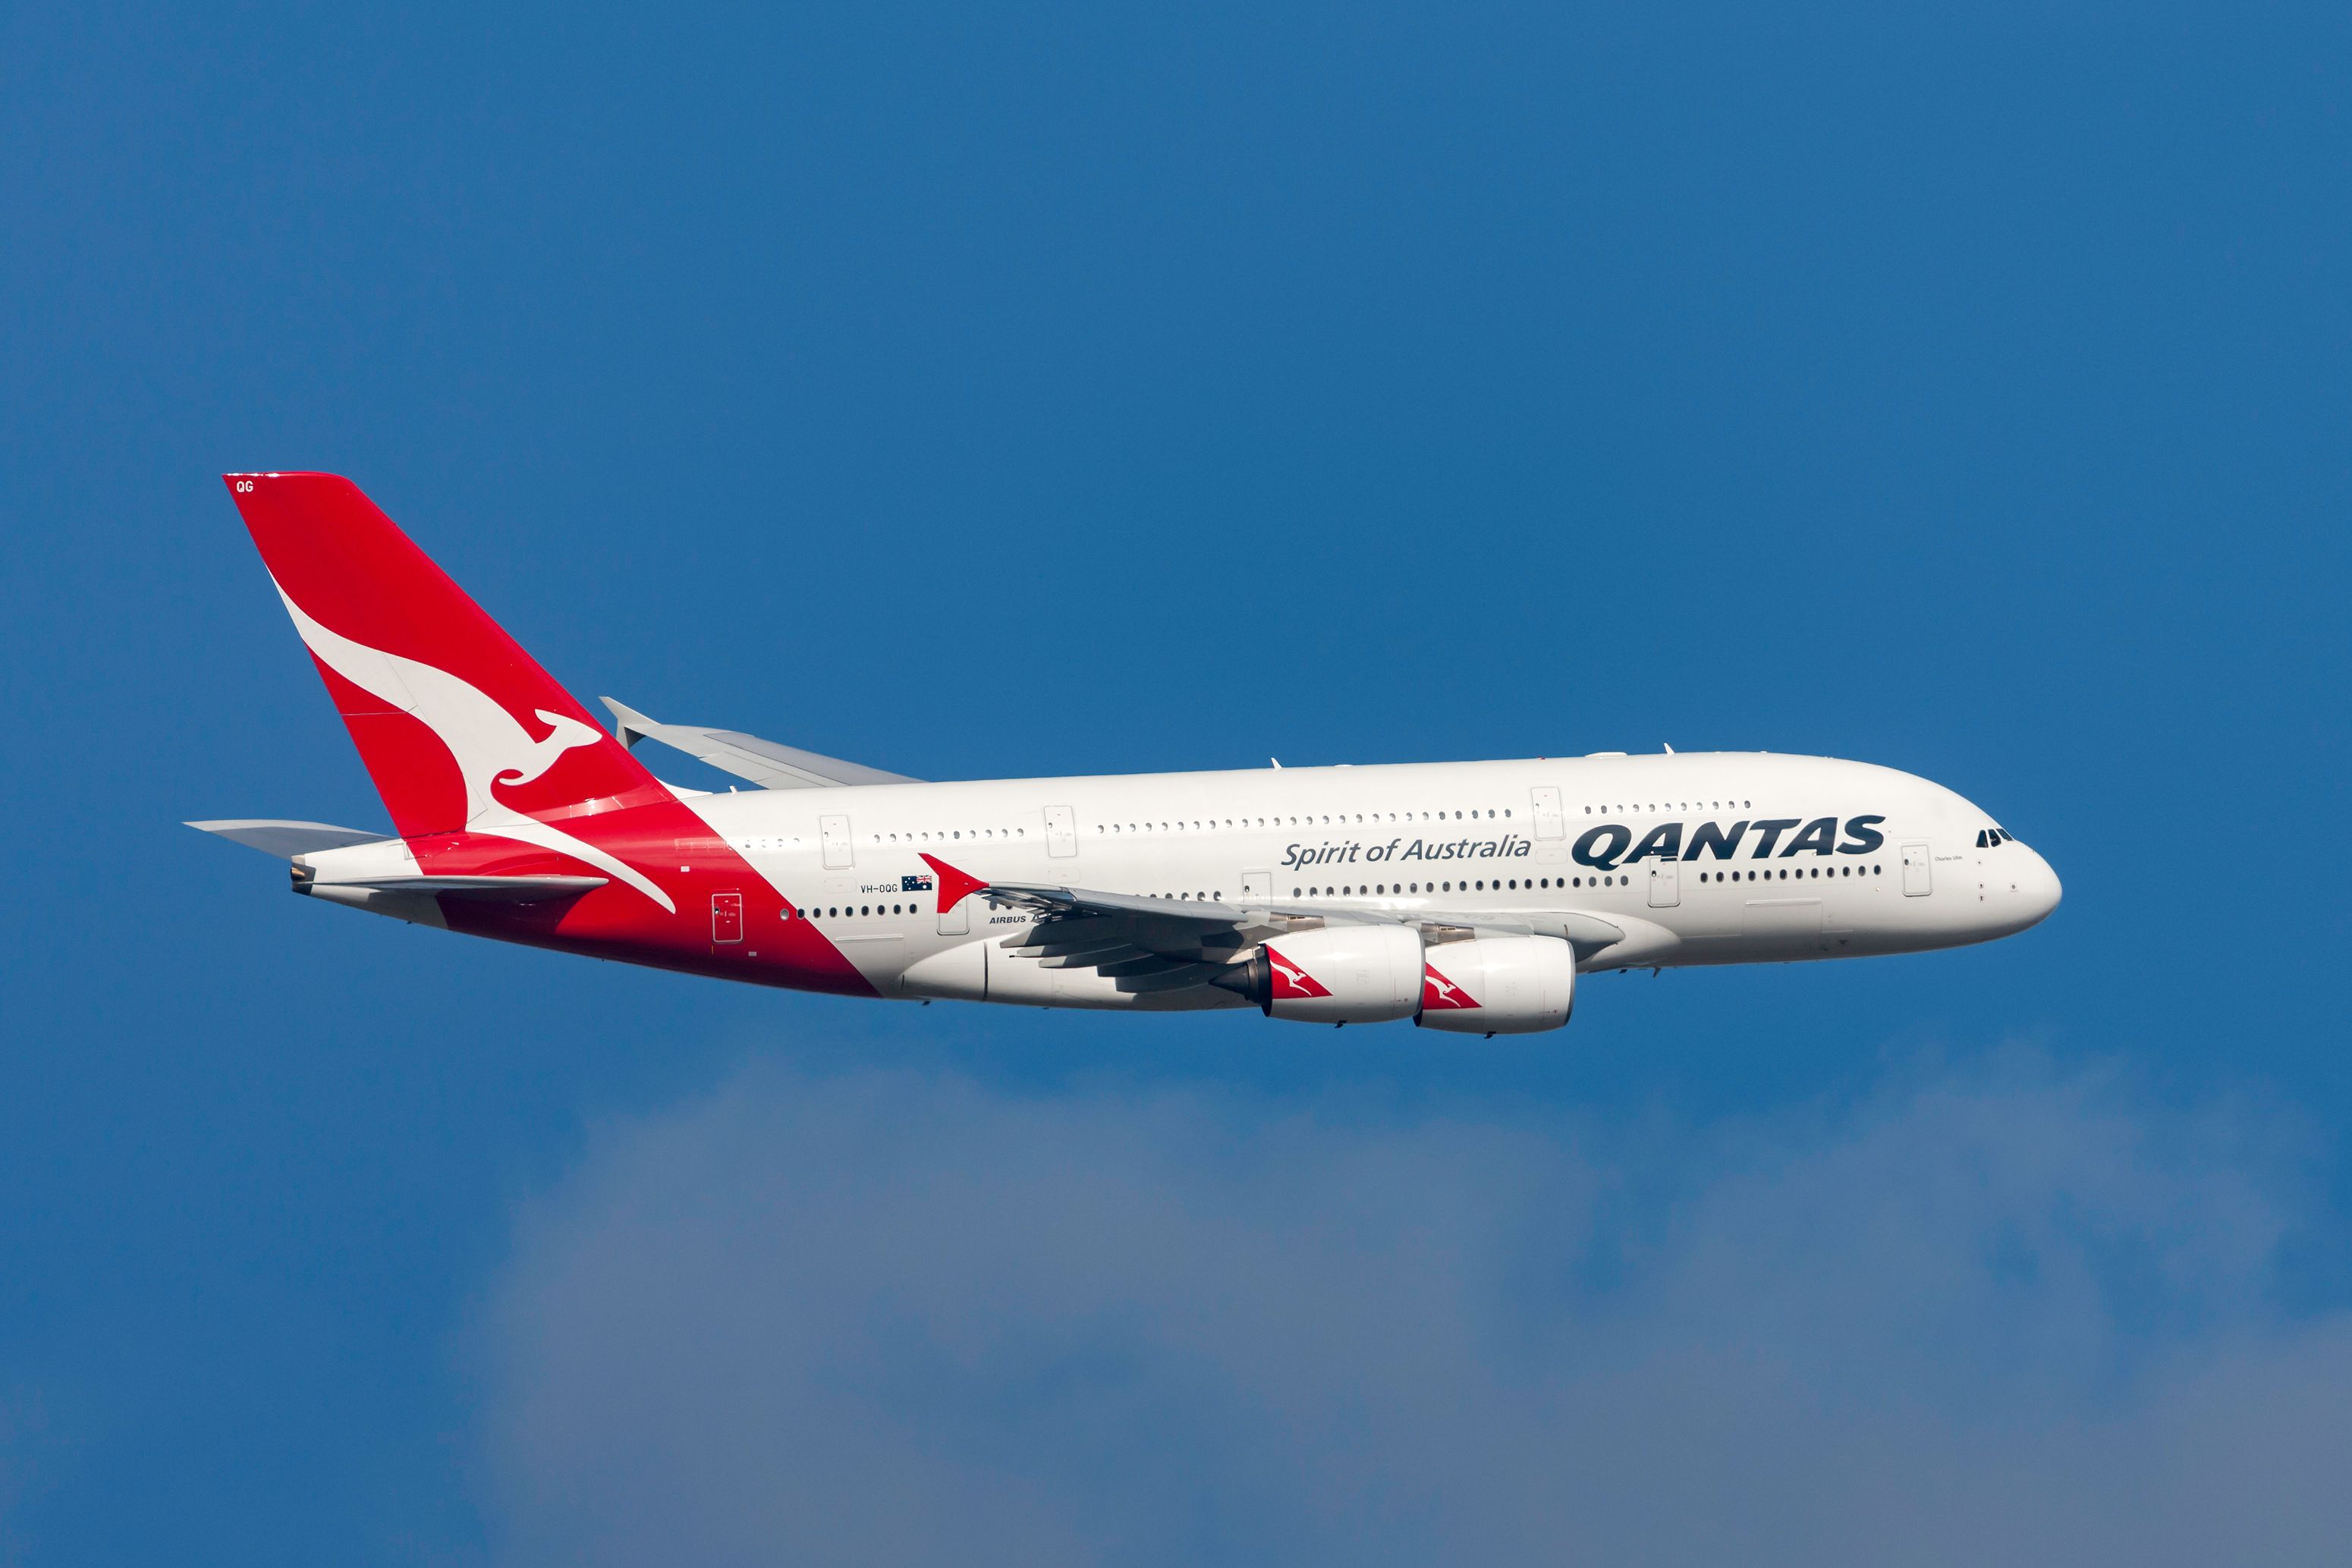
2040 888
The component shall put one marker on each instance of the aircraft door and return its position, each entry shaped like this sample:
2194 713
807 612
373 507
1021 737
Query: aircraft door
727 917
1549 824
1258 887
835 831
1061 832
1918 871
1666 885
957 922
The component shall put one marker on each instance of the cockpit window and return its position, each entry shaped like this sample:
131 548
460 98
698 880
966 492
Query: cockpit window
1992 838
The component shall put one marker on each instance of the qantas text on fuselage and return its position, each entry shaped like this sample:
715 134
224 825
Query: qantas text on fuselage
1466 896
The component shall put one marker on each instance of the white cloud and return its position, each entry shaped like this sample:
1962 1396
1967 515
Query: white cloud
889 1318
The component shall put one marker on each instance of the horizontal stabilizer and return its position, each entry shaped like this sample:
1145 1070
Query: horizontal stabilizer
490 888
769 765
285 840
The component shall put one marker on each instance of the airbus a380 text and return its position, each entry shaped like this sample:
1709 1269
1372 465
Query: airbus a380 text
1467 896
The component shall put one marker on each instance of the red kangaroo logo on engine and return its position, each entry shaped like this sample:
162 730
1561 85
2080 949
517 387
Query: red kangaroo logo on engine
1290 981
1439 993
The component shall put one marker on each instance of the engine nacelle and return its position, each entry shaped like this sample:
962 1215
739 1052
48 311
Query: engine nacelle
1498 985
1340 974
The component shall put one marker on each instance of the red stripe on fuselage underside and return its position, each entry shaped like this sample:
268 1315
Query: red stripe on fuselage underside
619 922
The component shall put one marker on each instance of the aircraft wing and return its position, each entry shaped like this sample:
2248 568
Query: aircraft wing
1059 902
1142 944
1148 944
766 763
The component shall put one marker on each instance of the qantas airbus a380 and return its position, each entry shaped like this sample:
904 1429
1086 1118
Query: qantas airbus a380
1467 896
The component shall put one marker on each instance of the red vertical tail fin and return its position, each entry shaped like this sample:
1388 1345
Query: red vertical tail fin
457 726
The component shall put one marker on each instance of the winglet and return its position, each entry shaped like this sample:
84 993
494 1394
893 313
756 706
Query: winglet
630 725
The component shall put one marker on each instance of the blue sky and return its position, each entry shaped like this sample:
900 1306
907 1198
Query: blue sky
1011 391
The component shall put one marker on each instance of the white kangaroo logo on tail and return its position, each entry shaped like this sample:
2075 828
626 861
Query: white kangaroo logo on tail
483 739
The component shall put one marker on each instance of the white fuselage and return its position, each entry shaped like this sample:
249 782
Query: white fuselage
1696 858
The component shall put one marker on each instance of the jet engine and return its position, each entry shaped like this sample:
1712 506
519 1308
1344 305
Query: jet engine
1340 974
1498 985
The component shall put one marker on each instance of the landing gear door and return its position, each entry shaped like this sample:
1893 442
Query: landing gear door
1666 885
1918 871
